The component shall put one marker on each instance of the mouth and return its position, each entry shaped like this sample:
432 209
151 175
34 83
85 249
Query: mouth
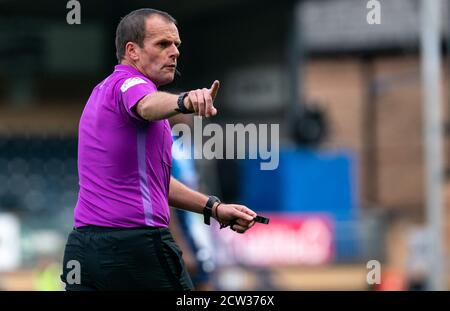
172 67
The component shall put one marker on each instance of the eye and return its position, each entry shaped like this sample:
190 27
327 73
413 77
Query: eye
164 44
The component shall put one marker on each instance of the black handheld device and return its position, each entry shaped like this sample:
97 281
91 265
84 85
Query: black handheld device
261 219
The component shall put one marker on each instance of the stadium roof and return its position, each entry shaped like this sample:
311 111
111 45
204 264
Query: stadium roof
341 25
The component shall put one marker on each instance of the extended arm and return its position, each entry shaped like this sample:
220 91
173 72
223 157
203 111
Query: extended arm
162 105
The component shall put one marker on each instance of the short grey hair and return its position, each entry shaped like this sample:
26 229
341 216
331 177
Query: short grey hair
131 28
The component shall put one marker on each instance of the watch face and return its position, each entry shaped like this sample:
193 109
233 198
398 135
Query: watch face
212 199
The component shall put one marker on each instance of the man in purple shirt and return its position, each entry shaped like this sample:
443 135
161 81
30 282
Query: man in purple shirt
121 238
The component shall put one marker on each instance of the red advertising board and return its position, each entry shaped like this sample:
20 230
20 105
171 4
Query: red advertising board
289 239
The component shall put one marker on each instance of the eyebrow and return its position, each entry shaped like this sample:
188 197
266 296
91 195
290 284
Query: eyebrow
177 43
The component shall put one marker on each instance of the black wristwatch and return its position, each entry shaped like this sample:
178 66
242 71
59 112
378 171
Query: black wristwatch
207 210
181 107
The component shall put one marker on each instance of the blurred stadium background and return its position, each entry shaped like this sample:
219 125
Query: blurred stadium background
351 183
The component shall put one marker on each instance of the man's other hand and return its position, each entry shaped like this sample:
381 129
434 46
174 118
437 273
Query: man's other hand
239 217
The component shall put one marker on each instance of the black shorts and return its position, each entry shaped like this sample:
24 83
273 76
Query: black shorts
98 258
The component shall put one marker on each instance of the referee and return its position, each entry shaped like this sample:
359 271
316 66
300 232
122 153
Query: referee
120 238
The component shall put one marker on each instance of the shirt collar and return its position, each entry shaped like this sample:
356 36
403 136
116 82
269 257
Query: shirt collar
127 68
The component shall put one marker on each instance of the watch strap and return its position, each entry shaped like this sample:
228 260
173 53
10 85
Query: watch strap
180 102
207 210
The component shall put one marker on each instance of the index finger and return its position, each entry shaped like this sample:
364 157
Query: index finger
214 89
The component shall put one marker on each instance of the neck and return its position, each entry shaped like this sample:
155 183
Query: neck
133 64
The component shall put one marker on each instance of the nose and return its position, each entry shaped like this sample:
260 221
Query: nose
174 52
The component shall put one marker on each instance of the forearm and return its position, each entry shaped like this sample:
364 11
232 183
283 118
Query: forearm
157 106
180 196
239 217
162 105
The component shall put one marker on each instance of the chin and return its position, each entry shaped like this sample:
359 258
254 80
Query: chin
165 81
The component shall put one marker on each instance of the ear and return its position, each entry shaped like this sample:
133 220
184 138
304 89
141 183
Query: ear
131 50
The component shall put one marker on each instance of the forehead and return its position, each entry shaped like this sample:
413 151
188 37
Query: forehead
159 28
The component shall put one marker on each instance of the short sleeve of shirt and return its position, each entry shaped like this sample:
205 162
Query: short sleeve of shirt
132 90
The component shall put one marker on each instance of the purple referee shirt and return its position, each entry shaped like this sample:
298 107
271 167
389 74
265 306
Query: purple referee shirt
124 161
